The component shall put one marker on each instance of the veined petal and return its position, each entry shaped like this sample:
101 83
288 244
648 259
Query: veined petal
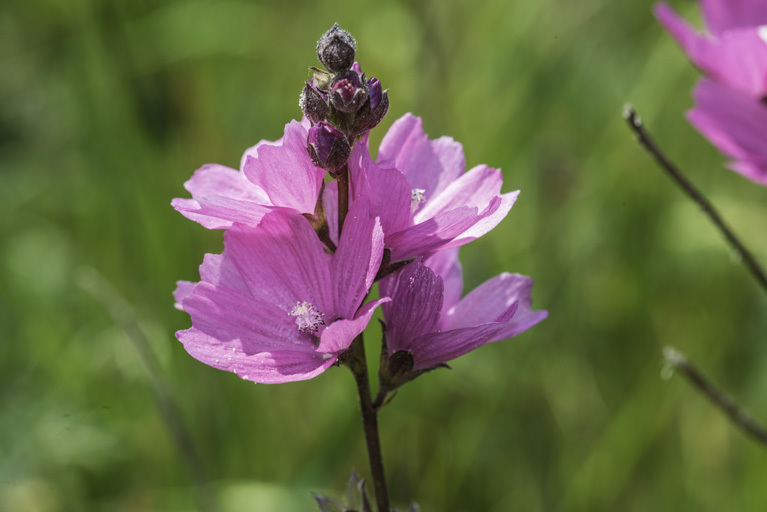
330 203
445 264
414 155
357 259
386 189
477 188
339 335
495 212
273 367
219 270
416 294
220 196
245 323
219 212
286 172
439 347
494 300
432 234
282 262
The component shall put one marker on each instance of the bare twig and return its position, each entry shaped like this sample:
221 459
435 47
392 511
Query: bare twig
90 280
673 171
678 361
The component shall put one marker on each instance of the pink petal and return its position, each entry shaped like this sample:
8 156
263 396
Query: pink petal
494 300
755 170
734 123
416 294
221 196
273 367
357 259
738 58
432 234
722 15
478 188
183 289
440 347
386 189
330 202
445 264
339 335
488 219
218 212
283 262
219 270
241 323
285 172
416 156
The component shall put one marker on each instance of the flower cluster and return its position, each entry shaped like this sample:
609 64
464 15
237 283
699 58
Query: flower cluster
731 102
312 222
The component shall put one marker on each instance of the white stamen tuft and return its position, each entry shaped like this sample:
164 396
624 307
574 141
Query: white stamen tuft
417 195
308 317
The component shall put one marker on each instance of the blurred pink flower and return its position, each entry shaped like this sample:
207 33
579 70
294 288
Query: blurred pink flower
275 307
428 318
735 124
731 104
734 51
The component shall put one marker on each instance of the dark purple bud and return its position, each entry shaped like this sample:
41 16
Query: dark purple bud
314 104
374 92
336 49
348 93
368 118
328 147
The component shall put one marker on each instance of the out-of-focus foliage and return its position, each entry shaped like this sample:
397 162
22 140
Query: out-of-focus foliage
107 107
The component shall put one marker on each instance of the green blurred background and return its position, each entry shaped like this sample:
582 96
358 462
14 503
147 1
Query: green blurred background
107 107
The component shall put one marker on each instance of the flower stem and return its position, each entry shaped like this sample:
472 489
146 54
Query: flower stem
679 361
343 198
359 367
644 138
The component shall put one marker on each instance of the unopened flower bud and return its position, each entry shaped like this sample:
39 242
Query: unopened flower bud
373 111
328 147
314 103
336 49
348 92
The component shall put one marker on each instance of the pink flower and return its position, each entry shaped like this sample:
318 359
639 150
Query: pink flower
275 307
734 51
428 319
420 191
276 175
735 124
731 105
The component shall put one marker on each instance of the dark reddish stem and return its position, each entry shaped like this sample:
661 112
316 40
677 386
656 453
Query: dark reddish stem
359 367
679 362
672 170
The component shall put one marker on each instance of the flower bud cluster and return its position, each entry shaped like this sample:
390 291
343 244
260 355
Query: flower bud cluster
341 103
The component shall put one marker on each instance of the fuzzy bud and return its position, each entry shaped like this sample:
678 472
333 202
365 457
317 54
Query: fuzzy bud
328 147
336 49
373 111
348 92
314 103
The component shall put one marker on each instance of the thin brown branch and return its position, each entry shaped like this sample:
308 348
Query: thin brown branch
678 361
673 171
